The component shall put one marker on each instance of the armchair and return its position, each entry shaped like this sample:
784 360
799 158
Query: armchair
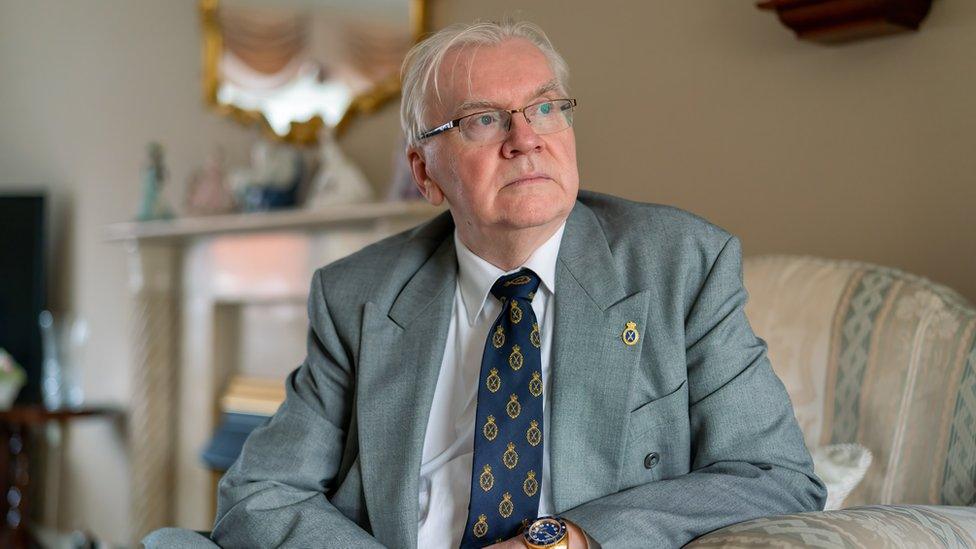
879 357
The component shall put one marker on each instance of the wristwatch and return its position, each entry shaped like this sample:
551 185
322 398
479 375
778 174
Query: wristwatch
547 533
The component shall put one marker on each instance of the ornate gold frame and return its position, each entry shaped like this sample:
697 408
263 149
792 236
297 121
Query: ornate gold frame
301 133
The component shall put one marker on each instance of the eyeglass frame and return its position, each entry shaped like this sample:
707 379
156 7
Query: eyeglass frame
457 121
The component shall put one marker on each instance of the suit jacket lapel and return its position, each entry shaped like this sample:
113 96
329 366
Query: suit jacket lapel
400 358
592 367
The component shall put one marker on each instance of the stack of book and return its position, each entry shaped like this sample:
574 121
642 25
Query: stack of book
246 405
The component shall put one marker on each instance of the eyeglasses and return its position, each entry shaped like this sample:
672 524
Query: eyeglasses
493 126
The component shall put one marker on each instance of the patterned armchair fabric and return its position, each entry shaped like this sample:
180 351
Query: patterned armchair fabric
908 526
886 359
879 357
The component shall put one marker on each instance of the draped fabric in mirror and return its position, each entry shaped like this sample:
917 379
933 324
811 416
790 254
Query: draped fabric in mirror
298 65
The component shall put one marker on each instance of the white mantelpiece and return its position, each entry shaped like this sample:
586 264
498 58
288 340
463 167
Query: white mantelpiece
189 279
298 220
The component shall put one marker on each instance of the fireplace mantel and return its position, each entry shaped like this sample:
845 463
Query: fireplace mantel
188 279
304 219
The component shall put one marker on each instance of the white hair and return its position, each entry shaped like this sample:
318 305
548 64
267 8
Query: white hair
423 61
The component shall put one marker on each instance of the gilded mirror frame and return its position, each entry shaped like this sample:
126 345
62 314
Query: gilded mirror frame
300 133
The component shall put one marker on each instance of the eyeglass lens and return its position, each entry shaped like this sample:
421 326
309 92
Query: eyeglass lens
545 117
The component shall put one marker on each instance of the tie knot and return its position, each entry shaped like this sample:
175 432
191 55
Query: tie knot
522 284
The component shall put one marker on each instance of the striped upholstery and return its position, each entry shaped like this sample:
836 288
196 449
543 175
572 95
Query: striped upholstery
876 356
889 526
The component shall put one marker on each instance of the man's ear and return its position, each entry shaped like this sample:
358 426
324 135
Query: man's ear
418 167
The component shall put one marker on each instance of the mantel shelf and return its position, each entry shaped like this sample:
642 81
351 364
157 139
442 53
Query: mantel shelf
294 219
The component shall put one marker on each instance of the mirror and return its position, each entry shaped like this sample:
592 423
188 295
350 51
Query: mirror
296 66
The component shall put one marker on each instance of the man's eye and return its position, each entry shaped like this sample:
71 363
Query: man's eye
486 119
545 108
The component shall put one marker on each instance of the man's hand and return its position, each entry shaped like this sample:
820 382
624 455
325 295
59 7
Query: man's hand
576 540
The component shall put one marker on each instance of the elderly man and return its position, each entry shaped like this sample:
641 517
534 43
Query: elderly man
535 352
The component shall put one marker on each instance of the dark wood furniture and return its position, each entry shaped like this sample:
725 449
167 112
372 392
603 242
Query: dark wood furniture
17 427
834 21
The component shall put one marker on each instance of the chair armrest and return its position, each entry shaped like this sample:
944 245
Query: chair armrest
867 526
178 537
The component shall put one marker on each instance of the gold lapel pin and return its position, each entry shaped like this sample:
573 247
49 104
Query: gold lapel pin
630 336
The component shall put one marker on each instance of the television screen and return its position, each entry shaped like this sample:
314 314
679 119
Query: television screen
22 288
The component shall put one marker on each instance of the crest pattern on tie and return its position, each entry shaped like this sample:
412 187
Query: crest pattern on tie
508 429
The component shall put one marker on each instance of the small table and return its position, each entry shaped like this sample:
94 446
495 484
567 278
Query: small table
15 446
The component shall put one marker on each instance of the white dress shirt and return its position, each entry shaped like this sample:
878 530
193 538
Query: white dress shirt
445 470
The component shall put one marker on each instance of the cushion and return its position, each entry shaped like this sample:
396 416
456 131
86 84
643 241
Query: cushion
841 467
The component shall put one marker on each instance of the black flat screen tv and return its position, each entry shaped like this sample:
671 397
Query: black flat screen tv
22 285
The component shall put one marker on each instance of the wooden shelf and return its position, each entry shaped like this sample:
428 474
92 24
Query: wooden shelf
33 414
270 221
838 21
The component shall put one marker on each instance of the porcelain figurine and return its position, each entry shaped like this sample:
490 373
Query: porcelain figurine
338 180
154 174
207 191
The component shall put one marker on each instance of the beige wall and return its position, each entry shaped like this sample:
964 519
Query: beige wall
862 151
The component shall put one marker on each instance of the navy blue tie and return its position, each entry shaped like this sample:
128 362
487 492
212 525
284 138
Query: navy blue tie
507 466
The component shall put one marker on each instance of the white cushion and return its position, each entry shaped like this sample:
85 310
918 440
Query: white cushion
841 467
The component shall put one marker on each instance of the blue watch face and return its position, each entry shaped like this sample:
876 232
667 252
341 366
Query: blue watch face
545 531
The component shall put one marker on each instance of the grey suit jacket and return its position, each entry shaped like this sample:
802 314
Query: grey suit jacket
338 464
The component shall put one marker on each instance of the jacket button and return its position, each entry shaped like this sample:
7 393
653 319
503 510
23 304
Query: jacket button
650 460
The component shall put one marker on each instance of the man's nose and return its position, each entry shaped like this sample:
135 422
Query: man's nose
521 138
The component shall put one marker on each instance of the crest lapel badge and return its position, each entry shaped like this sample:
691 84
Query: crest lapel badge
630 336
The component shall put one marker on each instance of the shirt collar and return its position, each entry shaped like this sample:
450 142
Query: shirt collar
476 276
